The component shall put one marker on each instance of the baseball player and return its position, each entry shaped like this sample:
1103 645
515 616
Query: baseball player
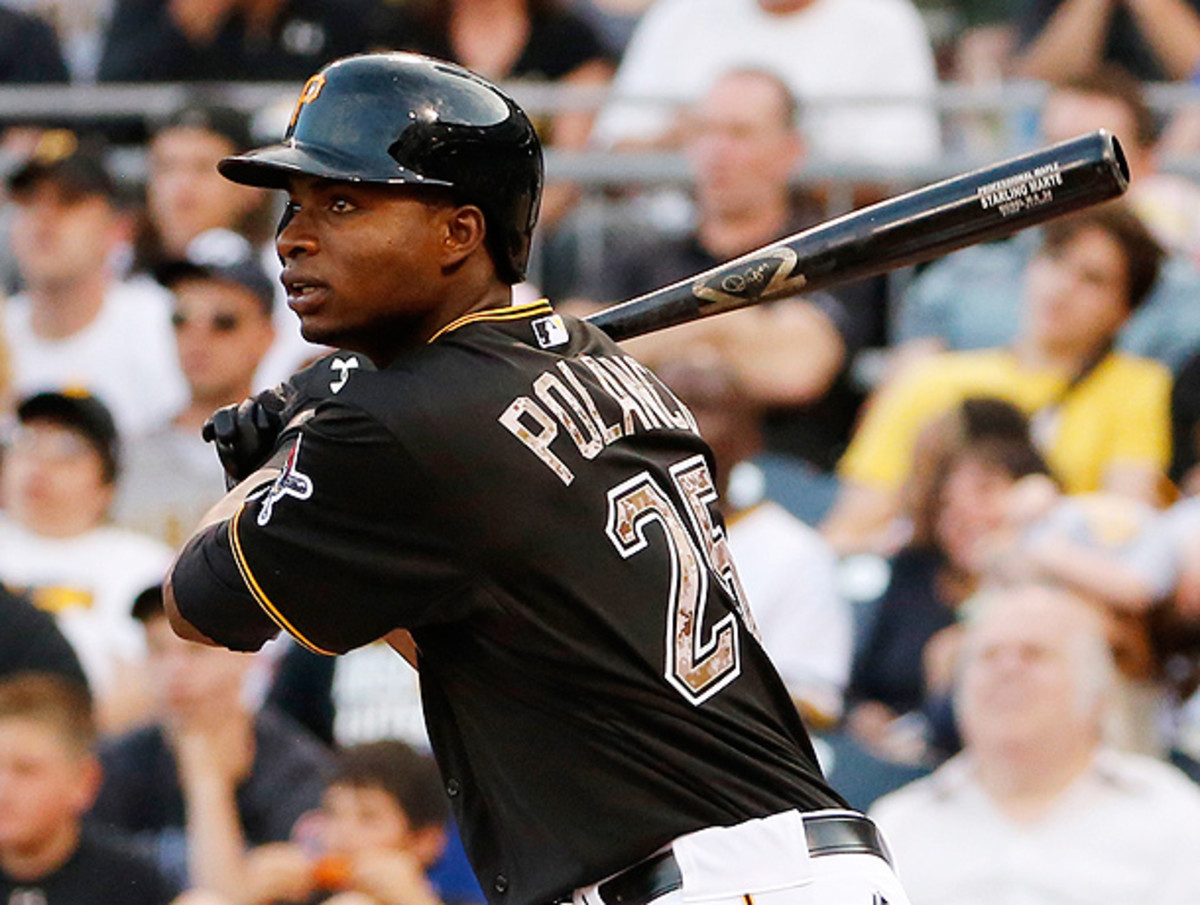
523 511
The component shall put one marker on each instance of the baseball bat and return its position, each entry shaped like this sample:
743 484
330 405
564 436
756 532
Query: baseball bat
988 203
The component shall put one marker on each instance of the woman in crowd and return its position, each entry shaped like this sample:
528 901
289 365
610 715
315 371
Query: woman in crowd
510 40
958 497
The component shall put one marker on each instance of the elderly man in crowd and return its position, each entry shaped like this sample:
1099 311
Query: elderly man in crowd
1037 808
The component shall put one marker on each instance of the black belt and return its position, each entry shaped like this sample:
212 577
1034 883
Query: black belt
827 834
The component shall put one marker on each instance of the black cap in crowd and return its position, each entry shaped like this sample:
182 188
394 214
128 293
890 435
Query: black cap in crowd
228 122
75 164
229 262
82 412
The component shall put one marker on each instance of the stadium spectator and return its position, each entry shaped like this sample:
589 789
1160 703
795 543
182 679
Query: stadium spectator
787 571
369 695
826 50
382 826
191 211
33 642
77 324
499 39
60 469
1113 99
185 195
900 681
48 778
744 144
972 298
503 40
229 40
1106 549
1101 417
223 329
1037 808
1156 40
30 52
211 775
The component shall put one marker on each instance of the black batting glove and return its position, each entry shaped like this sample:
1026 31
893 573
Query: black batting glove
245 434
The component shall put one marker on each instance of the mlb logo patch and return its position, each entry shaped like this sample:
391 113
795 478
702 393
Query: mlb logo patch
550 331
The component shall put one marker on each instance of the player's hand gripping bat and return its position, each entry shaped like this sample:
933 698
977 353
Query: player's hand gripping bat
245 433
984 204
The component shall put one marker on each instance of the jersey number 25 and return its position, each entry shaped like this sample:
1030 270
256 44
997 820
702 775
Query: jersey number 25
697 665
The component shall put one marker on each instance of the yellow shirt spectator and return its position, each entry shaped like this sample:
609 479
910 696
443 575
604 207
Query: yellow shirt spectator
1118 414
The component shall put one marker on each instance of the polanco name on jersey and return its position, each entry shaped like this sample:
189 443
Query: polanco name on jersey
560 398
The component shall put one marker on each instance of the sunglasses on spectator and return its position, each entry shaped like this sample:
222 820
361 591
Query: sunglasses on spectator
220 322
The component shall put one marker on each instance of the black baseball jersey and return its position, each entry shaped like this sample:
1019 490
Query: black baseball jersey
538 510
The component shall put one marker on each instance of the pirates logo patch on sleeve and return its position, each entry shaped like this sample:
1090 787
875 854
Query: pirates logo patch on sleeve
291 482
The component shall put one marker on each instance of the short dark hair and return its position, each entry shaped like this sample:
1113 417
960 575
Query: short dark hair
52 700
1016 458
408 776
1143 253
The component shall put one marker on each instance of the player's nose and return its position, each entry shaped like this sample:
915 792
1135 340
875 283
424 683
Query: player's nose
293 236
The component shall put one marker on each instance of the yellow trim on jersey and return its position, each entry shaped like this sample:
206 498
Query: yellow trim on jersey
259 595
508 313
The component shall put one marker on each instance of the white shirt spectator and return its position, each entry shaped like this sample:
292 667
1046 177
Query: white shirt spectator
125 356
89 582
789 574
169 479
1127 830
829 50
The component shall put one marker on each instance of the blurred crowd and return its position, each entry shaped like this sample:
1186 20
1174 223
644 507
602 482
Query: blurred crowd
963 497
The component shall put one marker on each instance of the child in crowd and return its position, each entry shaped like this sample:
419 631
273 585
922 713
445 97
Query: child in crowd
380 828
49 775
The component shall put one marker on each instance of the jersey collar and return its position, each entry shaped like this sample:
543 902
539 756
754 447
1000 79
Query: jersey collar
507 313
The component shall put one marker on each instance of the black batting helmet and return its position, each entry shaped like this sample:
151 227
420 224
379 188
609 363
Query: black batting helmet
406 119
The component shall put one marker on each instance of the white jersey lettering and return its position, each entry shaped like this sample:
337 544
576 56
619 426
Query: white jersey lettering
563 399
513 419
546 387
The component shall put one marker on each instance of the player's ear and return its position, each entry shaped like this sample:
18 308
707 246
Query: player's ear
465 228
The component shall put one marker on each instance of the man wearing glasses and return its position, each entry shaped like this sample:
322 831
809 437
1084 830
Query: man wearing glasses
222 319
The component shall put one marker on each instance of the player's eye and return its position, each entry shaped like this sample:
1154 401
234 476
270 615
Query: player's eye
342 205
